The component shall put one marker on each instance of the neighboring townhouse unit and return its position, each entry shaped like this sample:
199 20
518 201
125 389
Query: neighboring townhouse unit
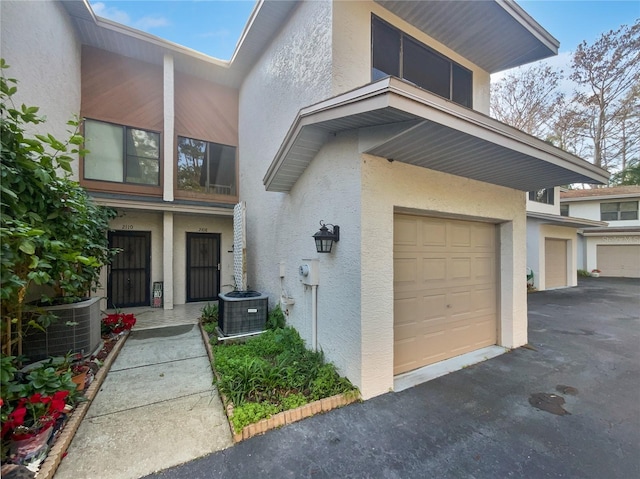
369 115
552 241
613 250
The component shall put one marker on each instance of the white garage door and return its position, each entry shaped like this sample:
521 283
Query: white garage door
444 289
555 263
619 260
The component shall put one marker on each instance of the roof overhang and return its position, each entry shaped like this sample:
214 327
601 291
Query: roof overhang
567 221
623 231
426 130
495 35
264 23
600 198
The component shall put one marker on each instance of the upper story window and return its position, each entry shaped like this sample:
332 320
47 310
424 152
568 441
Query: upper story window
621 210
564 210
544 195
396 53
121 154
206 167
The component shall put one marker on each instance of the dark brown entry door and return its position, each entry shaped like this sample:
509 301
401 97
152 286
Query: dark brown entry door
203 266
130 272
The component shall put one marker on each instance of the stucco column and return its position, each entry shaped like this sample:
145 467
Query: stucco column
167 258
513 286
168 130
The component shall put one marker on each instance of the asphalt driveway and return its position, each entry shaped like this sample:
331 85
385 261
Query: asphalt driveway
479 422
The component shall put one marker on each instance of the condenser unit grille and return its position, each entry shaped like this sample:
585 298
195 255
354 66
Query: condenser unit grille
241 312
76 330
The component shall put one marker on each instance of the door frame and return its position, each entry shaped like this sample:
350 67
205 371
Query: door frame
147 269
218 237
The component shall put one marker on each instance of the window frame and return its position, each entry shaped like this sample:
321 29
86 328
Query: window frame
125 155
548 196
564 209
233 193
401 74
619 212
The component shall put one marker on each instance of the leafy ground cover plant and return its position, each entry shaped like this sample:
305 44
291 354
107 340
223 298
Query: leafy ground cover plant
274 372
209 318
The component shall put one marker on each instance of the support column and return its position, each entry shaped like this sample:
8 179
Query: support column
169 129
167 258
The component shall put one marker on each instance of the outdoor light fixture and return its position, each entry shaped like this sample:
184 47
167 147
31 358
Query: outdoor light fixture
325 237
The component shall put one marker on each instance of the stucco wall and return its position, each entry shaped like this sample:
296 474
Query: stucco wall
352 49
38 41
294 72
537 207
388 187
591 210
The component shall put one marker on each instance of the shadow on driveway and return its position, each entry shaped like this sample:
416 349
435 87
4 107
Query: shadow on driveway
479 422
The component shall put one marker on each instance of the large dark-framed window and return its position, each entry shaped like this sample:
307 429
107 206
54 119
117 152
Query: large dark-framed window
121 154
619 211
545 195
398 54
206 167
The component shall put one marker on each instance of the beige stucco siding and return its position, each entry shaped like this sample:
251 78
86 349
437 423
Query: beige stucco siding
352 49
39 43
389 187
294 71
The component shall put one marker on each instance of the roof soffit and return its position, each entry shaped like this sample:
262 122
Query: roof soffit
495 35
430 132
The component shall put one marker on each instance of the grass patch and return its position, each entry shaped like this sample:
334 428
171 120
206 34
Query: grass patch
273 372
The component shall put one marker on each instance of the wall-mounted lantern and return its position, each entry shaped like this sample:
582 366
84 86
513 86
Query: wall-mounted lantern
325 237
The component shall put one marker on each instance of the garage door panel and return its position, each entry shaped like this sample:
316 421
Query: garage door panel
622 261
405 270
461 235
434 233
434 269
461 268
555 251
456 284
484 268
484 237
405 232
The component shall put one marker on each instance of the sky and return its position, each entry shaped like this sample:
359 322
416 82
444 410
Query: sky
213 27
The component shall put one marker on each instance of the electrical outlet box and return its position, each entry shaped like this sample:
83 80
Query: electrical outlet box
308 271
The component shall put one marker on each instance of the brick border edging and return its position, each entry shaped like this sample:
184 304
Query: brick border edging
60 446
282 418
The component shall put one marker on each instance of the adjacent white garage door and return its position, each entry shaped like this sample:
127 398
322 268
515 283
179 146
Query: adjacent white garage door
444 289
619 260
555 263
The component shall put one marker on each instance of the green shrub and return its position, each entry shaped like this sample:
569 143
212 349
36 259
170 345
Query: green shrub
209 314
583 273
274 370
276 319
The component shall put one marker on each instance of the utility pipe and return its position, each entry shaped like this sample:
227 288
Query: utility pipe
314 316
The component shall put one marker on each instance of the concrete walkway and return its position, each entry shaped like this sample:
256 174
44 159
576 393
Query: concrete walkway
157 408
